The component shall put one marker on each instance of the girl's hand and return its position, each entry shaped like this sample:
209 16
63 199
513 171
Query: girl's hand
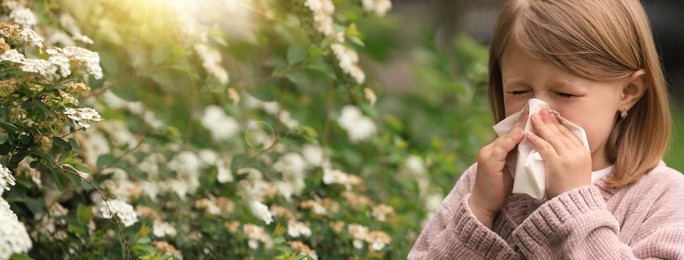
566 161
493 181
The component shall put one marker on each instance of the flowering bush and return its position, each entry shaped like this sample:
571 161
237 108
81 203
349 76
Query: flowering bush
257 136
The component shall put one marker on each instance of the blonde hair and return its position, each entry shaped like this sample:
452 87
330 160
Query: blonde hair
599 40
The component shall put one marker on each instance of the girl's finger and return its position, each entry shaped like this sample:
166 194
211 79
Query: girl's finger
554 124
545 130
566 132
505 144
523 117
542 146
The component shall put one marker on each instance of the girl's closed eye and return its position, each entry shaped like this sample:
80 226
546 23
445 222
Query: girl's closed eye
518 92
564 95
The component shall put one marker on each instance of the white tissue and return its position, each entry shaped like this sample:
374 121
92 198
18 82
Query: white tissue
529 175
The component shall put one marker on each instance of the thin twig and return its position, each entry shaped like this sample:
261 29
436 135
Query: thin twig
111 212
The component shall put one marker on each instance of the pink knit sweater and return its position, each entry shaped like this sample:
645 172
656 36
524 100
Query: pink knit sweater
642 220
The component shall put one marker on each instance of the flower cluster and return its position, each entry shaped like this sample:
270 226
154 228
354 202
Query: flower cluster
6 179
358 127
379 7
348 62
83 116
13 235
123 210
322 15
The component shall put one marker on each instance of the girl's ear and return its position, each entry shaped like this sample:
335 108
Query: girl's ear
633 89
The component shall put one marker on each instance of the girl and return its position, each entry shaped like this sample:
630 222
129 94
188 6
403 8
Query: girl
595 63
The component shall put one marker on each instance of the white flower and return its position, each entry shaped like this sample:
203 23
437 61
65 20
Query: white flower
221 126
6 179
291 164
260 211
271 107
62 62
82 38
88 59
331 176
287 120
358 126
379 7
31 37
313 154
348 60
211 61
12 56
255 234
23 16
161 229
41 67
293 167
322 14
381 211
415 165
13 235
83 116
370 96
296 229
122 210
224 174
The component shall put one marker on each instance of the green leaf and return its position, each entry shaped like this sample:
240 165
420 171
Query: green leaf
61 143
18 156
239 161
16 256
314 51
296 54
5 148
76 180
74 145
297 77
77 230
58 176
84 214
105 160
24 139
83 168
11 128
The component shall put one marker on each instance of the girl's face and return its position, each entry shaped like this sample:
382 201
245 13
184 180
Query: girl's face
590 104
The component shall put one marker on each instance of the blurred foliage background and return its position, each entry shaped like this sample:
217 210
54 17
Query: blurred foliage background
259 128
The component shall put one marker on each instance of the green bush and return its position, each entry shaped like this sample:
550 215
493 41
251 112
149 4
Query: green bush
226 129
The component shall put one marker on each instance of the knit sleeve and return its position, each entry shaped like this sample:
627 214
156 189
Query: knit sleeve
455 233
578 225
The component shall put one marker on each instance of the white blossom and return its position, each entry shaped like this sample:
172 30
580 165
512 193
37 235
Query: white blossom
322 14
6 179
379 7
162 229
224 174
260 211
211 61
313 154
39 66
257 234
12 56
331 176
89 60
348 60
62 63
358 126
221 126
24 17
31 37
82 38
296 229
123 210
13 235
83 116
